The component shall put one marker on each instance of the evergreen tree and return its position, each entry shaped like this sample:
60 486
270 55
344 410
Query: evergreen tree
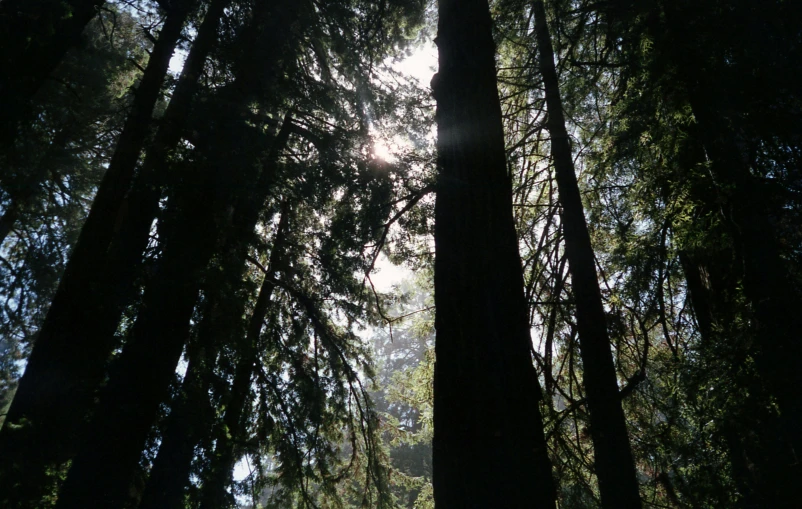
203 348
613 459
36 36
489 448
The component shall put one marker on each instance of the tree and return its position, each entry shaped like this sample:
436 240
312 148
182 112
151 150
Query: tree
489 448
57 389
57 163
121 424
613 457
210 316
35 37
120 428
730 130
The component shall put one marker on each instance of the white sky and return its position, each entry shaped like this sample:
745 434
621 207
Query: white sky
385 274
421 64
177 61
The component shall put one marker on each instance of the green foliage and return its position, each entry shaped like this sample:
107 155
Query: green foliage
334 420
52 171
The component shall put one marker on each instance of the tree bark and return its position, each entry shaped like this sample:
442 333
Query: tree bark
34 37
214 493
189 419
170 473
614 465
67 364
489 448
102 471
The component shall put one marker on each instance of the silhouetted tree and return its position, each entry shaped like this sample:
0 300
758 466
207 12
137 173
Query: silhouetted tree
489 447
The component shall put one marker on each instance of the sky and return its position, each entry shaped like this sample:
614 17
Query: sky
421 65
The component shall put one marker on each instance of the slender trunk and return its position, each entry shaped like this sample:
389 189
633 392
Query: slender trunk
34 37
189 419
140 207
106 464
489 448
214 494
66 365
129 405
170 473
614 465
135 233
230 433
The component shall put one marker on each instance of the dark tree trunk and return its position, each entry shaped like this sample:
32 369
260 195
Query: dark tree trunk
123 447
140 380
10 216
489 446
34 37
614 465
141 206
190 418
767 282
214 493
101 473
230 433
170 472
67 363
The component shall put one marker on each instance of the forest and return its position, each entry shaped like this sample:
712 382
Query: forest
464 254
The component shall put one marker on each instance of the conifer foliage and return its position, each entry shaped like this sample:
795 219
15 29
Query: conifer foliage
196 197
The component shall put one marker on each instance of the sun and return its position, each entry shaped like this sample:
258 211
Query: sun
381 150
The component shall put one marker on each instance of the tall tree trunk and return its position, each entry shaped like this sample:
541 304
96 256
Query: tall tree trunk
614 465
189 419
66 365
170 473
489 448
767 282
34 37
102 471
129 405
140 207
214 493
163 333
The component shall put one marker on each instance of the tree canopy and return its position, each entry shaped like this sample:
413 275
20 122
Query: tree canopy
594 209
